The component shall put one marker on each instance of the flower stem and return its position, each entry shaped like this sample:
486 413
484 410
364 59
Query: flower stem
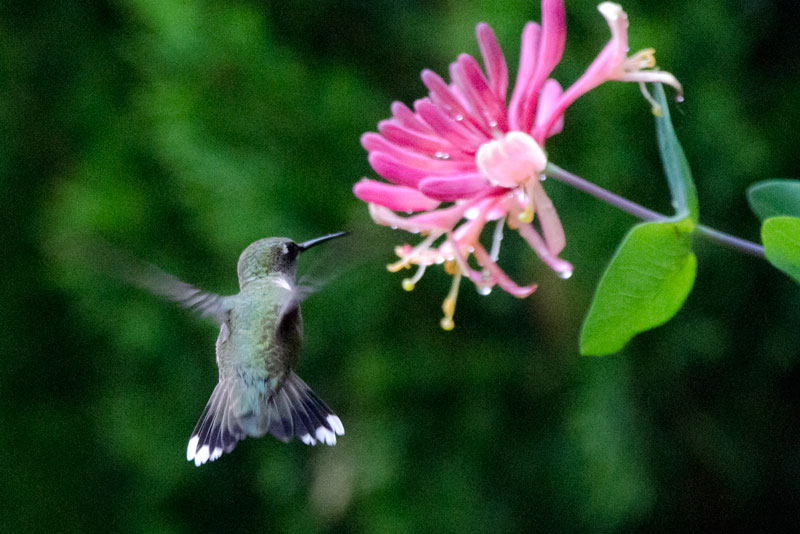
637 210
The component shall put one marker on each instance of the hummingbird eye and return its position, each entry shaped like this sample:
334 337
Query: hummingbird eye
291 250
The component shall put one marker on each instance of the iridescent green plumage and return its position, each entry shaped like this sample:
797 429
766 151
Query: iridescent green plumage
259 342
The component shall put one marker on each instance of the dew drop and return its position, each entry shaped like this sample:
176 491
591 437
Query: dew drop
542 177
564 275
484 290
459 118
442 155
679 99
492 124
393 227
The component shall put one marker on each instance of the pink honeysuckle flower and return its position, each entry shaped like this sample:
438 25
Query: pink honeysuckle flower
463 157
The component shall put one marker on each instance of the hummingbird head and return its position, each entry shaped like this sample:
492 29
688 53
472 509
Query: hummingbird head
275 255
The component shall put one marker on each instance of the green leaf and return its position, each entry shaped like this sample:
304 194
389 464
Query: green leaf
781 238
773 198
679 176
644 285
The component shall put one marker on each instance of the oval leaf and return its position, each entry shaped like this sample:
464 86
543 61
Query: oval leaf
775 198
645 284
676 167
781 238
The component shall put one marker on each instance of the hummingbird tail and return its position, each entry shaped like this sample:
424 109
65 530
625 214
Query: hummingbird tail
296 411
230 416
218 430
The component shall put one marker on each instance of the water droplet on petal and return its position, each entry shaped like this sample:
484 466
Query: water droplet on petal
442 155
564 275
542 177
459 118
484 290
393 227
492 124
679 99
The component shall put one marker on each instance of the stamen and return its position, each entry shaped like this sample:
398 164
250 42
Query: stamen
409 283
449 304
497 238
655 107
643 59
416 251
526 216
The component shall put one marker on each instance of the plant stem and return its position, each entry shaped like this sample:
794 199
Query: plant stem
637 210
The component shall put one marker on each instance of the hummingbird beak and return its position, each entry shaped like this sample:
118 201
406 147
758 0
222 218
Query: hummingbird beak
311 242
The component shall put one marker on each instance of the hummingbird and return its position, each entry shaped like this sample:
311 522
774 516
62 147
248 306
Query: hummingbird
258 346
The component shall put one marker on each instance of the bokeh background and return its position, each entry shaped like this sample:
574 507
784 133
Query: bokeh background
182 131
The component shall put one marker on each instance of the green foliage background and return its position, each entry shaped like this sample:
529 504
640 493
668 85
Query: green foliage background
182 131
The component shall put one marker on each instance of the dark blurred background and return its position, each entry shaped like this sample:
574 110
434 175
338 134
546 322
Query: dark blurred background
182 131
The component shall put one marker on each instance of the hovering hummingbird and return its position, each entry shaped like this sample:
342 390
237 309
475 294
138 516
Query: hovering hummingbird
260 336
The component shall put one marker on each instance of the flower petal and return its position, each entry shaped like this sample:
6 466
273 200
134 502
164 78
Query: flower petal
529 233
442 95
442 219
548 219
499 276
452 188
493 60
527 66
405 137
548 98
406 118
394 197
445 164
446 127
604 67
489 105
551 48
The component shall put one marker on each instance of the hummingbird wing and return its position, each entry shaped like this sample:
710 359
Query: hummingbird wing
204 303
150 278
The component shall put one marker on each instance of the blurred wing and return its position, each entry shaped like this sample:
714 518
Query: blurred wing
149 277
185 295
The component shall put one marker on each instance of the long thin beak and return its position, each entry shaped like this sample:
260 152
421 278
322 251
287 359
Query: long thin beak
311 242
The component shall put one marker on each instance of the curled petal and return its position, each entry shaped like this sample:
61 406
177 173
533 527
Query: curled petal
443 96
444 164
610 64
548 98
437 220
548 218
394 171
394 197
414 140
499 276
490 106
452 188
467 95
554 37
562 267
446 127
493 60
407 119
527 66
